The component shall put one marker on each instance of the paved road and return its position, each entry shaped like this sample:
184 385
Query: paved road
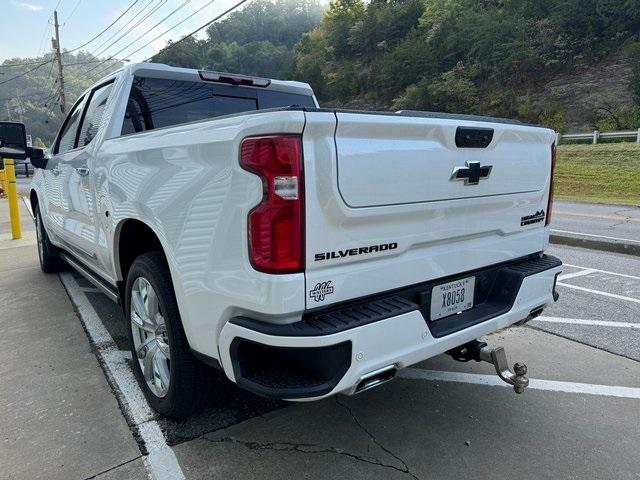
603 222
441 419
419 426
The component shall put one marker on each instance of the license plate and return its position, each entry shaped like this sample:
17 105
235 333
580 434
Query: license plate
451 298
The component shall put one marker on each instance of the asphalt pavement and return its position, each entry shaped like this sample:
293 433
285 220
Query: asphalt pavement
604 227
71 409
443 419
599 301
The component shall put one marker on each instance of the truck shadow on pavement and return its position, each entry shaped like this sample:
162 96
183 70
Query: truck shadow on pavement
233 405
413 428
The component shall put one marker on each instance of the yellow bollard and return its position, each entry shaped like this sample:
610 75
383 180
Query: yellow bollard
12 195
3 184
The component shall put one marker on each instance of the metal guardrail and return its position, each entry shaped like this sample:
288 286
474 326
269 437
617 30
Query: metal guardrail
595 136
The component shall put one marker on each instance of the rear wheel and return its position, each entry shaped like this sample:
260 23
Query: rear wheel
49 255
174 382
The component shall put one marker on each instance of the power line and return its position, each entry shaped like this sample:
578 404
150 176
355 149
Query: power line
30 97
44 34
124 26
167 31
26 73
45 103
73 11
88 62
103 31
229 10
50 70
21 64
154 10
54 81
173 12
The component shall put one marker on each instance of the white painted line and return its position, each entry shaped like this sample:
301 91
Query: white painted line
27 204
633 277
597 236
581 273
598 292
578 321
161 463
535 384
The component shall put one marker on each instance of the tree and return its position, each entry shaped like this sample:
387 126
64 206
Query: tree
32 98
257 40
453 91
338 22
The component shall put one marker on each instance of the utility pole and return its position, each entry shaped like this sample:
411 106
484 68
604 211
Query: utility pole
55 42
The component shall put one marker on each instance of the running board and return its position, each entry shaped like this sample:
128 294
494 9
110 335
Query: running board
93 278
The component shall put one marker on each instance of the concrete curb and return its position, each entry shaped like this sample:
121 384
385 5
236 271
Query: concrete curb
614 246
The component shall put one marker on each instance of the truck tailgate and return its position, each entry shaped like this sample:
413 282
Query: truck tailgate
393 200
403 160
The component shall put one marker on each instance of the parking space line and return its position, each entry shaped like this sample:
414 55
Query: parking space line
598 292
535 384
581 273
579 321
160 462
594 235
633 277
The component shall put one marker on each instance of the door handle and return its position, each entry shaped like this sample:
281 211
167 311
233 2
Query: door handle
83 171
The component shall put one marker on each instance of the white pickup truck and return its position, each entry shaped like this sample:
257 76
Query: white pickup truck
302 251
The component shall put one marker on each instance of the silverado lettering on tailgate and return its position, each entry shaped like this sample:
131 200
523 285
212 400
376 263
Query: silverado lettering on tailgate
355 251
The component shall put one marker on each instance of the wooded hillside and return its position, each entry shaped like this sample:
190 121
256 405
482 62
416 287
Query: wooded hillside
28 90
513 58
568 64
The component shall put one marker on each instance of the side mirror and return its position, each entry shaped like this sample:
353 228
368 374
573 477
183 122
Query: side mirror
36 155
13 140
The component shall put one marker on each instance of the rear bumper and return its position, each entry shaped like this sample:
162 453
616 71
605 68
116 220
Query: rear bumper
330 351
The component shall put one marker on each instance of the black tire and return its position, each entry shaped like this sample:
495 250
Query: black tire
49 255
190 381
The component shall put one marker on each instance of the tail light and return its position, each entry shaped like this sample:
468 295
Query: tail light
553 171
276 225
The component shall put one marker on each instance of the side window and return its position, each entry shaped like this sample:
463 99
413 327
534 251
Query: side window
67 137
94 115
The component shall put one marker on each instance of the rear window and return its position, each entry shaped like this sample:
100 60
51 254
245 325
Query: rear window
157 102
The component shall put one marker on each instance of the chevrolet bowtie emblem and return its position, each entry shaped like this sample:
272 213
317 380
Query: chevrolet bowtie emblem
472 173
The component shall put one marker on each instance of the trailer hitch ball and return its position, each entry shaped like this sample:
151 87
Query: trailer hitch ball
481 352
498 358
520 380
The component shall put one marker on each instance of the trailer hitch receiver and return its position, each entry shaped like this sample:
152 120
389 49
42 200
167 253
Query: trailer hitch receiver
481 352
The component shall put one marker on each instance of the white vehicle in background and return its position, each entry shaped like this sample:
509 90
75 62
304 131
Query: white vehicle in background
302 251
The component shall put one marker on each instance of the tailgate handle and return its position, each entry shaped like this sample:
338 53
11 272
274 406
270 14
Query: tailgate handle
473 137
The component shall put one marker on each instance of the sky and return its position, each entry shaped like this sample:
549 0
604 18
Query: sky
26 26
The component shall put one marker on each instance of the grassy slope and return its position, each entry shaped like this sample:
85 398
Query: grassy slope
604 173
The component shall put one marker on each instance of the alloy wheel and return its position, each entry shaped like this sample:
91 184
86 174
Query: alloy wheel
150 339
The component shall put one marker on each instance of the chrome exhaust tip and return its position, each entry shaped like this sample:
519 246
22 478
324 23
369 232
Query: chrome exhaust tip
376 378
